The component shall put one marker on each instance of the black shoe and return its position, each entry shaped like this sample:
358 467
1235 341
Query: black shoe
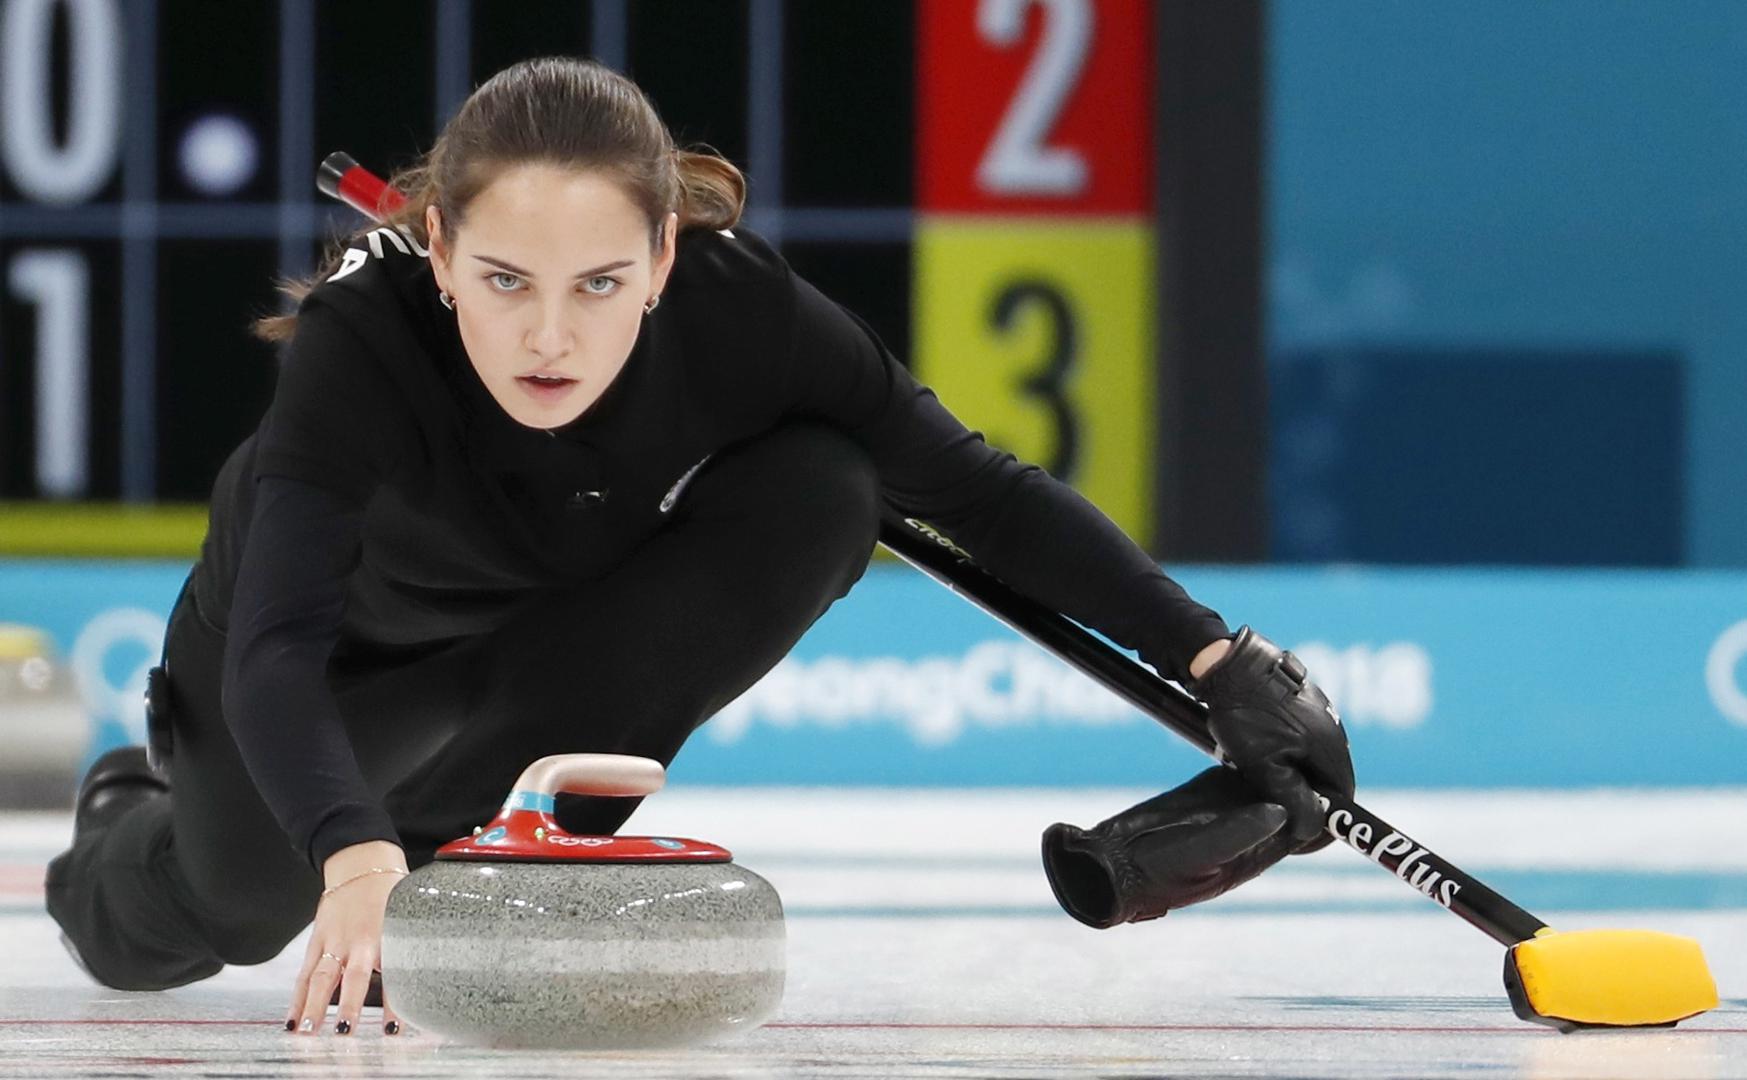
116 781
73 951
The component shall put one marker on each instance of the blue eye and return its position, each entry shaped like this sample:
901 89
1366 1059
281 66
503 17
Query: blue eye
514 283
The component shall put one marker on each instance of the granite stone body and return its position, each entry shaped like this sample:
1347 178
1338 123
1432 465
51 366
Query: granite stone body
583 956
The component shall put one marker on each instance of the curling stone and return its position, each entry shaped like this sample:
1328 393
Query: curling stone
524 935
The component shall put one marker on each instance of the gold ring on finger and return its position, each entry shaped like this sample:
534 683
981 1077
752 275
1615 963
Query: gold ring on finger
331 956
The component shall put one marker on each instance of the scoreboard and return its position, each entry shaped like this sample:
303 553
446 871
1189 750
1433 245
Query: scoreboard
975 178
1033 241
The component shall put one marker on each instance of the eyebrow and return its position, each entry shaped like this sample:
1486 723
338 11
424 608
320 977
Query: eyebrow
514 269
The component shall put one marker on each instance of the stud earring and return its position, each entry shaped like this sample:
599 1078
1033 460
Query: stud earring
650 306
445 299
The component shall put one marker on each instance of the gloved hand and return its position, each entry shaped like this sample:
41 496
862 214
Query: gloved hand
1278 728
1190 844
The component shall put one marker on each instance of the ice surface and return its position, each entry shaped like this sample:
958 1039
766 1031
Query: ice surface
923 942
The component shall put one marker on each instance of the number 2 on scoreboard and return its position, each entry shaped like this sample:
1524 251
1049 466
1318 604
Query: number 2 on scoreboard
1017 162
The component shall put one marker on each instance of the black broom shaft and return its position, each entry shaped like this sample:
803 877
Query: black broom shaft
1412 862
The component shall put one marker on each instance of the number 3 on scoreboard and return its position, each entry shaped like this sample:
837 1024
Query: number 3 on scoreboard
1046 382
1037 333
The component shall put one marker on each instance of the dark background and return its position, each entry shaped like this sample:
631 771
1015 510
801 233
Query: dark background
1460 284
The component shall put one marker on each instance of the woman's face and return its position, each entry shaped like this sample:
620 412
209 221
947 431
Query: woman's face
549 275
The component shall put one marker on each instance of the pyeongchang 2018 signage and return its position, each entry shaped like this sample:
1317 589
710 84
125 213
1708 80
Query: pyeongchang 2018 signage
1445 678
1010 684
1470 678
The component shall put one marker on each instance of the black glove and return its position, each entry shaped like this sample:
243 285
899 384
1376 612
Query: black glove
1278 728
1190 844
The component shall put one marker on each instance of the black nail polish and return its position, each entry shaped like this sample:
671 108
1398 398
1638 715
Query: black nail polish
291 1024
391 1028
344 1027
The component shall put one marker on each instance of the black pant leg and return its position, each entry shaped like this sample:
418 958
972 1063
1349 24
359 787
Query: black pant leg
181 885
773 531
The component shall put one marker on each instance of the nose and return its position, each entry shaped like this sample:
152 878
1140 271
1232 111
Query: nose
551 337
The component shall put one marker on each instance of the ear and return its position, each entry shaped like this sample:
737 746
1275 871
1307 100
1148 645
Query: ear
664 259
439 250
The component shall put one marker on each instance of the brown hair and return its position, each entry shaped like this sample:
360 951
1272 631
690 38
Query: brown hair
559 110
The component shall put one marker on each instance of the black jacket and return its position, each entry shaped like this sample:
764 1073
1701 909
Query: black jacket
390 499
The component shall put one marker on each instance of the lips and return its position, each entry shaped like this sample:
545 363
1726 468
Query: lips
546 390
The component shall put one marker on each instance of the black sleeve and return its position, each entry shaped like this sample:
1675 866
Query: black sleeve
327 441
290 595
1030 530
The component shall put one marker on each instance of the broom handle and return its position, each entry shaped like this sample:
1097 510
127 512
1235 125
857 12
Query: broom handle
1412 862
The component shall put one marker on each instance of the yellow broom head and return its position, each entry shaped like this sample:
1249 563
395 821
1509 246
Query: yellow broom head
1608 978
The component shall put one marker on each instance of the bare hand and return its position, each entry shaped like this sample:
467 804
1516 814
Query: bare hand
1208 656
345 946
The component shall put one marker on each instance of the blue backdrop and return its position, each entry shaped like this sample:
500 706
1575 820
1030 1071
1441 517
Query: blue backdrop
1516 180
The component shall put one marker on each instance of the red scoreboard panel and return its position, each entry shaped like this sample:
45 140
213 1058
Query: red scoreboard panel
1034 106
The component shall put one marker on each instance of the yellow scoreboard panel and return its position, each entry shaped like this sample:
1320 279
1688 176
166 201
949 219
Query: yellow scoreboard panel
1038 332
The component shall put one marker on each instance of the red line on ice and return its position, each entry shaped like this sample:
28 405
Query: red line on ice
136 1023
1525 1029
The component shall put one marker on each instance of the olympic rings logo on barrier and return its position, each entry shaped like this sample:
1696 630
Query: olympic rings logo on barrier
1725 656
97 641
